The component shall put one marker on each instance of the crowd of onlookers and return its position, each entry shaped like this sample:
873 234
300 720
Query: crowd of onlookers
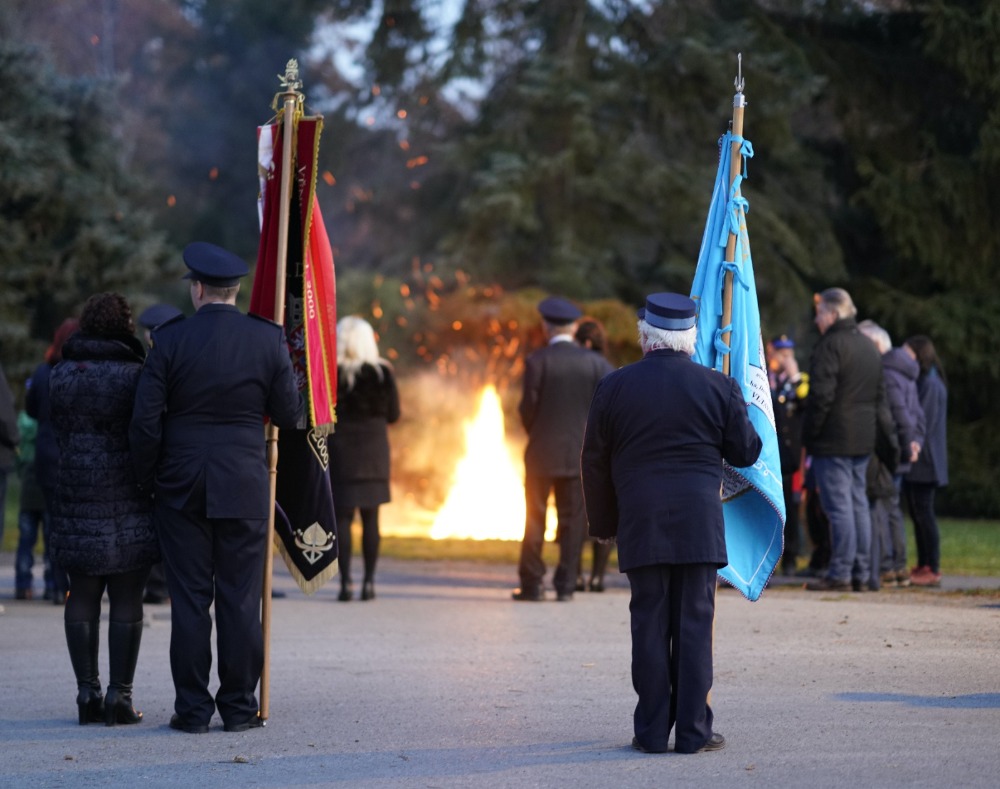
859 433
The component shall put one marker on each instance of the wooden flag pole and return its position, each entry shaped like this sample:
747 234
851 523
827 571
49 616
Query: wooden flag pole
291 98
735 166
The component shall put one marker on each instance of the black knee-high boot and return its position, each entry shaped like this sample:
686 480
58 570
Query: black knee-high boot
83 639
123 652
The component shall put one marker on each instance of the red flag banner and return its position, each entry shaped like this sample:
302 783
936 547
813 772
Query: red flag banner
311 305
305 523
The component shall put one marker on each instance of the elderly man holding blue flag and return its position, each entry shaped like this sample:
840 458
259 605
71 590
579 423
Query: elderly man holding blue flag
657 435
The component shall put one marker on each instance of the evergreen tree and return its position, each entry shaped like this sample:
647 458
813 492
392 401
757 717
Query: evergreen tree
68 224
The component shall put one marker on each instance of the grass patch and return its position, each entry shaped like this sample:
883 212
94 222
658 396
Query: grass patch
478 551
968 547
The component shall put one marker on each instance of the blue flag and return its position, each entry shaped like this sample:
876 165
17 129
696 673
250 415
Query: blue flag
753 503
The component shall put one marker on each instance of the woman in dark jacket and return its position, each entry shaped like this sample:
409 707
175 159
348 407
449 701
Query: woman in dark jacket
367 401
37 404
930 470
102 531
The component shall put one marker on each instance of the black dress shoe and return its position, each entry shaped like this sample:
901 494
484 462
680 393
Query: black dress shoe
179 724
564 597
715 743
368 590
346 594
528 595
256 722
597 585
644 749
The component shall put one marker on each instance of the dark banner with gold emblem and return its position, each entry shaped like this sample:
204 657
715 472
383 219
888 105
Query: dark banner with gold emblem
305 525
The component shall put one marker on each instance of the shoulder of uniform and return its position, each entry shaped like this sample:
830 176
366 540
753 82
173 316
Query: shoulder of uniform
168 322
154 333
264 320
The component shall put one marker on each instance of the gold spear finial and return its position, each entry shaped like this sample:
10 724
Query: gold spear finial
291 82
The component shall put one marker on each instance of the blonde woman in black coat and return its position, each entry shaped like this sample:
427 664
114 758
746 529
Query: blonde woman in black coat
367 402
102 531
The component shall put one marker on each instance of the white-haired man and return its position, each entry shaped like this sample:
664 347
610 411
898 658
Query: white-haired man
656 436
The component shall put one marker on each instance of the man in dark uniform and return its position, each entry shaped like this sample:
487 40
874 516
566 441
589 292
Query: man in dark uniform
656 437
197 437
559 380
149 319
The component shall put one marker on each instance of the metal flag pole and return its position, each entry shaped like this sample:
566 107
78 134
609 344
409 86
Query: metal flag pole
735 166
291 98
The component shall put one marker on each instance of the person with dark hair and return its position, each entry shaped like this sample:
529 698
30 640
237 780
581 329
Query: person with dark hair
652 464
367 403
38 407
9 439
559 380
930 470
590 334
197 438
102 528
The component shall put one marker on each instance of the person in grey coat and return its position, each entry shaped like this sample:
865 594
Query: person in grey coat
900 368
102 525
559 380
652 464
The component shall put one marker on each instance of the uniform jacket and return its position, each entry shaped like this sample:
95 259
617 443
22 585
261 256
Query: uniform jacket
932 463
198 423
846 393
8 426
559 380
656 437
901 372
101 525
789 409
359 447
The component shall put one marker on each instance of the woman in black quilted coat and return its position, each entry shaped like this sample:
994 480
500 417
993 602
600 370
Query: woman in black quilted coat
367 401
102 531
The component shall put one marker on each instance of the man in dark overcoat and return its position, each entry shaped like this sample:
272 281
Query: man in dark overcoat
197 438
656 436
559 380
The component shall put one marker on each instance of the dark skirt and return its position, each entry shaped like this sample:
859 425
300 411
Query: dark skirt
360 493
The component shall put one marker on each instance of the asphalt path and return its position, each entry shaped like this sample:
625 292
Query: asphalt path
443 681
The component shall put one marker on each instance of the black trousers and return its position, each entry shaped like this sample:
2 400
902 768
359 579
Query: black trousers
673 609
218 560
572 528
